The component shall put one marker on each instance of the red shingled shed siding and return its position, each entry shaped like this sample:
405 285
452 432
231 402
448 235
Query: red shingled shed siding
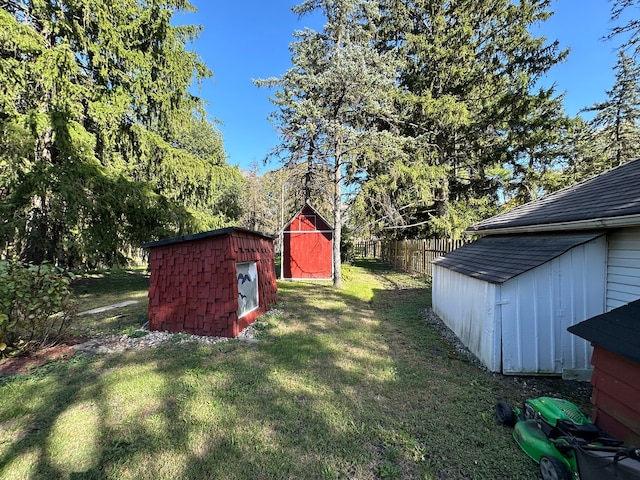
616 395
193 286
307 249
248 248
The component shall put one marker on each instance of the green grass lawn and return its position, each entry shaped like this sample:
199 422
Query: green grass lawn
100 289
347 383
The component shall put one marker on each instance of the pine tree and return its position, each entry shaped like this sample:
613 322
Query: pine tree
335 103
533 147
584 151
629 31
617 121
466 87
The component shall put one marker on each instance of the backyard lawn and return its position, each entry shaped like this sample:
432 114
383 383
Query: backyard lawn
349 383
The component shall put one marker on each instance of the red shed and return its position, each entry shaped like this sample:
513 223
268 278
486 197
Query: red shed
615 337
213 283
307 247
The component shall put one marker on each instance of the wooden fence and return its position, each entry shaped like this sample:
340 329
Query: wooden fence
368 249
413 256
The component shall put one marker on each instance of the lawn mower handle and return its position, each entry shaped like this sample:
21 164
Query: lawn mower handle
633 452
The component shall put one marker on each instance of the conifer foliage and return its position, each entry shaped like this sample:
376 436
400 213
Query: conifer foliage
335 105
102 145
616 124
428 110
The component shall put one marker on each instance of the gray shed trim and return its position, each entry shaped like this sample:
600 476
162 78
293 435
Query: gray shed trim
497 259
611 195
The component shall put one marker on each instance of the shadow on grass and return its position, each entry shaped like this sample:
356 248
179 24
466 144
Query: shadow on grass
346 383
110 282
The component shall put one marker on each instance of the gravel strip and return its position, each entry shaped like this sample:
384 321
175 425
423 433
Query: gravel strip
447 334
143 338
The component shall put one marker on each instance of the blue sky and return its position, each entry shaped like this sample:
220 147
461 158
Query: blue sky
245 40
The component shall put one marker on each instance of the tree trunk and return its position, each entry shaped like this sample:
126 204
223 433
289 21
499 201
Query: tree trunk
37 246
337 223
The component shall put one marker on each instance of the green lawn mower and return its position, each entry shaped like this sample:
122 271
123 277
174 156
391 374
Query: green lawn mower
567 445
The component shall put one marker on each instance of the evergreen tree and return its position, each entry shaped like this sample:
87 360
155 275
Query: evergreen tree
466 93
584 153
534 148
616 123
94 109
630 30
335 104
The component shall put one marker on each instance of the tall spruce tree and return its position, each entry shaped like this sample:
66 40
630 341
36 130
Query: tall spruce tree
94 112
584 152
628 31
335 104
616 124
534 148
467 91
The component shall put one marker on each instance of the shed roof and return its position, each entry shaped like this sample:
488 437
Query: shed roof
617 331
500 258
201 235
614 194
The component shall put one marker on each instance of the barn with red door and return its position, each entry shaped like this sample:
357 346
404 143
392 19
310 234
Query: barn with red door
214 283
307 247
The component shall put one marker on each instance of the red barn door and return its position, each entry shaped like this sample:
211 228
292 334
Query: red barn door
308 247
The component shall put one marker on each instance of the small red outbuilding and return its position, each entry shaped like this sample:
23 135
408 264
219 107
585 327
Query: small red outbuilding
615 337
307 247
214 283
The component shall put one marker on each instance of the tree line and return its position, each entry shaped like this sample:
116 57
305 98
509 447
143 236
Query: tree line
398 118
102 144
421 117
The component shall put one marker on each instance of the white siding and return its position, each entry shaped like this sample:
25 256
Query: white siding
539 305
623 268
520 327
467 306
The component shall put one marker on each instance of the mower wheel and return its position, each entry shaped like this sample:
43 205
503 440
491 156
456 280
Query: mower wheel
505 414
553 469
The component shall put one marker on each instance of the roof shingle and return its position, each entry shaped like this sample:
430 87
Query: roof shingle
617 331
502 257
614 193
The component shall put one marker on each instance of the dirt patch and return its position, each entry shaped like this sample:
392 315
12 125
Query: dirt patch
15 365
113 344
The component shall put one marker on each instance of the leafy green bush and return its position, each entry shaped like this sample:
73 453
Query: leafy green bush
36 306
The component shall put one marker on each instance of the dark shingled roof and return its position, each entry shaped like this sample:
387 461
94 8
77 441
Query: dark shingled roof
614 193
199 236
617 331
499 258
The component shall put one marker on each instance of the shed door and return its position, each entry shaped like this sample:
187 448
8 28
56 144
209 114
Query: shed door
308 255
539 305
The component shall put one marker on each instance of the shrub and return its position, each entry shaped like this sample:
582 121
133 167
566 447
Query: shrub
36 306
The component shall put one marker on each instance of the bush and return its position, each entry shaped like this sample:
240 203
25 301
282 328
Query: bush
36 306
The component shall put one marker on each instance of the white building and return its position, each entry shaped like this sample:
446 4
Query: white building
538 269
